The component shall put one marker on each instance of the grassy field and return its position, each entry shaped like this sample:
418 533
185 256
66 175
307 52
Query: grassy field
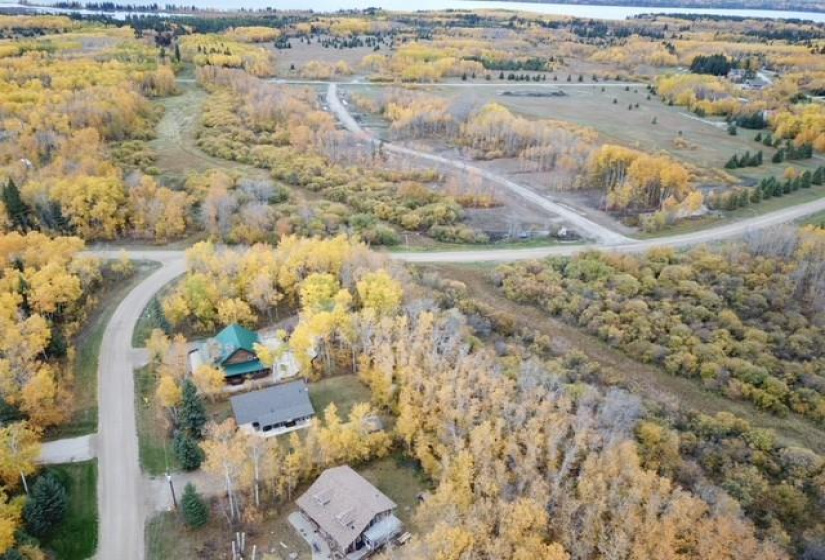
442 247
76 538
710 143
402 481
154 444
175 145
709 146
84 392
344 390
815 220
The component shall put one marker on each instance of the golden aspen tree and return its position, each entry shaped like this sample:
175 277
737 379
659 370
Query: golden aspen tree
20 446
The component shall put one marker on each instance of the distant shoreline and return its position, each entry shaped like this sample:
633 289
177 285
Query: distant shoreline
755 5
616 10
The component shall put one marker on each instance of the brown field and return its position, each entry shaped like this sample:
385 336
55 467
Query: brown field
301 53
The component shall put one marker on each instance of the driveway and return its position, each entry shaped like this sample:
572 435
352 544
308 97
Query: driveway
69 450
319 547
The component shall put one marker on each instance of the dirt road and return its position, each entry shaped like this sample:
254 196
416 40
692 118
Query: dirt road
120 490
583 225
720 233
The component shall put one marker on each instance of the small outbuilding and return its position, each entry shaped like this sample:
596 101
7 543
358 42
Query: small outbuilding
351 514
275 410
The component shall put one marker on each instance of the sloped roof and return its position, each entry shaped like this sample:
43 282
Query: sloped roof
273 405
343 503
234 338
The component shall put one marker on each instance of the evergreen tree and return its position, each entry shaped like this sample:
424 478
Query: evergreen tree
192 413
732 163
156 313
756 195
17 210
195 511
819 176
187 451
767 140
777 157
758 137
46 506
732 129
715 64
177 52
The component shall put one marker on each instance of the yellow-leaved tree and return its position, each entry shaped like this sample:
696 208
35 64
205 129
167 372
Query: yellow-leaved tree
381 292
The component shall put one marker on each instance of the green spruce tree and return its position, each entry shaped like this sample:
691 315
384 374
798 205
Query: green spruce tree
18 211
46 506
192 413
195 511
187 451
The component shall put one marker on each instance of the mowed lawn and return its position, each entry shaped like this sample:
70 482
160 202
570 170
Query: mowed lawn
76 537
154 444
343 390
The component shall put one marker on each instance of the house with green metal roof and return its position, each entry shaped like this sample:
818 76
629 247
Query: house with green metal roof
233 351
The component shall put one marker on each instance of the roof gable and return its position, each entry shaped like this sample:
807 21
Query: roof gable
343 503
234 338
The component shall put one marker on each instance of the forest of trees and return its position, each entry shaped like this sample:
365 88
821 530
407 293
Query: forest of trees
695 314
55 156
284 130
46 292
715 64
528 456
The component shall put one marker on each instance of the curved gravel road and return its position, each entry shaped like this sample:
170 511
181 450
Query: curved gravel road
583 225
121 499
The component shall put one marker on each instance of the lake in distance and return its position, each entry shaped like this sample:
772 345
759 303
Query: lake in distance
581 11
